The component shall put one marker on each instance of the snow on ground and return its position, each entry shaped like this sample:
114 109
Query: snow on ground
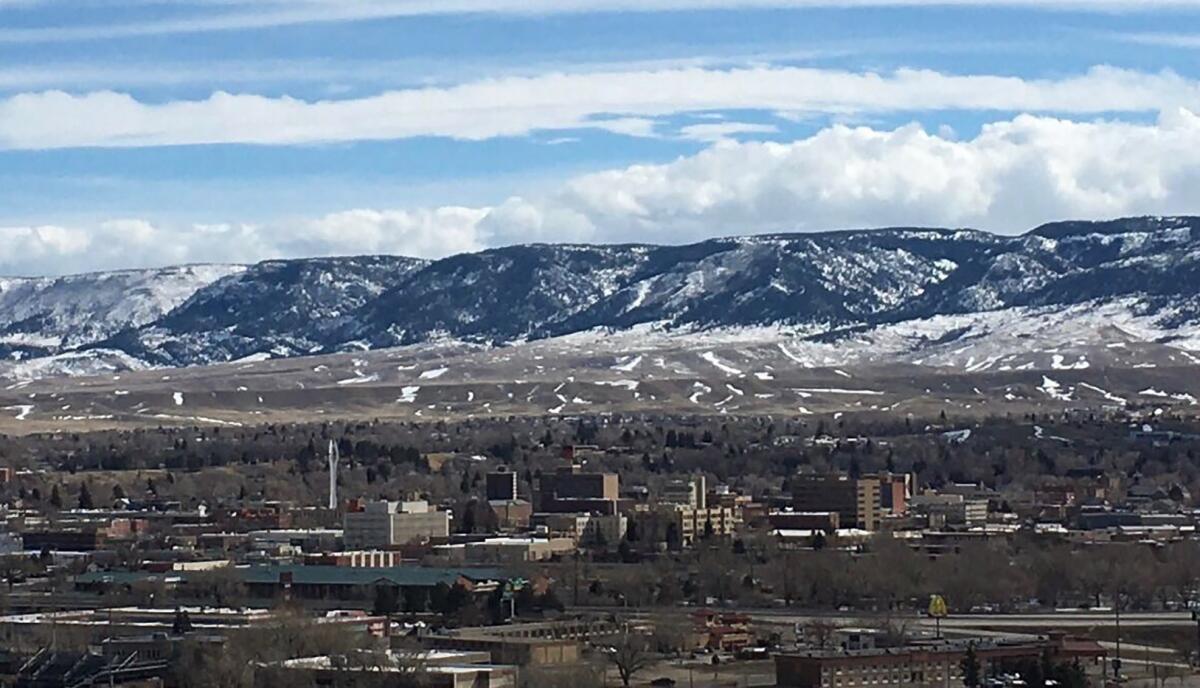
630 385
23 410
1105 393
408 395
628 366
360 380
197 419
793 357
719 364
1054 389
177 397
1058 362
957 436
434 374
254 358
835 390
1182 396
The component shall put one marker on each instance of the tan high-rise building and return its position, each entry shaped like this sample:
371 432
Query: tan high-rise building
691 492
857 502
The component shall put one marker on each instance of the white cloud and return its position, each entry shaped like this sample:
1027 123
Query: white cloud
422 233
1168 40
1013 175
129 243
226 15
724 130
623 101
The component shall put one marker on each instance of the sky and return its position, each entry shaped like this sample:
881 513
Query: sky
145 133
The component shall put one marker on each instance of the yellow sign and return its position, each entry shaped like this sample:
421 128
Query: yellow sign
937 606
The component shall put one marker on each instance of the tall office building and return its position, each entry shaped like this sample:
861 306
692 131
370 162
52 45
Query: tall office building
502 486
857 502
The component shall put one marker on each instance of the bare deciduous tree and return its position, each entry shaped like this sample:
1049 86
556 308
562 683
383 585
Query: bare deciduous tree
629 653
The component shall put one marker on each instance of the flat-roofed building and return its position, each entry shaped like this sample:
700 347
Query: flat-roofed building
426 669
573 489
375 558
584 528
931 665
950 509
856 501
385 524
510 515
502 486
826 521
694 524
691 492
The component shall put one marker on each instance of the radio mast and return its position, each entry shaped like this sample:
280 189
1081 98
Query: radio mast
333 465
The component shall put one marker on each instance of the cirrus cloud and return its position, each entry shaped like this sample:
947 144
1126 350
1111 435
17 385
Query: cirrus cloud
620 101
241 15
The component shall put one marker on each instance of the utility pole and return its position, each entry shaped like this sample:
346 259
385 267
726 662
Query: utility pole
1196 618
575 579
1116 663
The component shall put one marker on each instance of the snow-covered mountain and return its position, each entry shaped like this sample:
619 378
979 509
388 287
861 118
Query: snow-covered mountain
49 315
855 290
274 309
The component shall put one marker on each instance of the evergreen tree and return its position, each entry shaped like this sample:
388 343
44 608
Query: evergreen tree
56 498
631 532
85 497
674 541
855 468
439 599
819 541
182 623
970 667
387 600
497 610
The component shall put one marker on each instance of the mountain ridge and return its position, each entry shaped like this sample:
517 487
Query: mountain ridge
817 284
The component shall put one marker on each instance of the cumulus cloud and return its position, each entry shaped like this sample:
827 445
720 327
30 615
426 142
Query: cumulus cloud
1013 175
622 101
136 243
422 233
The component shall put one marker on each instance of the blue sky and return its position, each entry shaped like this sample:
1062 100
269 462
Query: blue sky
146 132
